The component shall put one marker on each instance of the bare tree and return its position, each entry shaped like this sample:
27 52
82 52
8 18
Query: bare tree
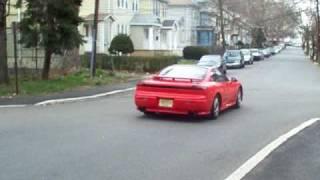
221 17
318 31
278 19
4 77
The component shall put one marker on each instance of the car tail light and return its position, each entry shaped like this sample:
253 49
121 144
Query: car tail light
199 87
140 83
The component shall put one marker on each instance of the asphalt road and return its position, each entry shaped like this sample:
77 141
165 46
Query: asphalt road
109 139
296 159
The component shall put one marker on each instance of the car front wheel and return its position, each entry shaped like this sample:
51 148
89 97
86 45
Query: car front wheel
215 110
239 99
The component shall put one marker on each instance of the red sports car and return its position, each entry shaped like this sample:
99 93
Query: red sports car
188 90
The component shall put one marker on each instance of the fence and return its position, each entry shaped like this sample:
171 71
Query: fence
31 59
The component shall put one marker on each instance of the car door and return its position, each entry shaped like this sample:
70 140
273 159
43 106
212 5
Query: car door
233 86
222 83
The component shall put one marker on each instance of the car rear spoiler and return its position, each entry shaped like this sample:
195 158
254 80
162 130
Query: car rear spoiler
162 78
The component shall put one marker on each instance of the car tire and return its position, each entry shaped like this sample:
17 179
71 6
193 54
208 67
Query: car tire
215 109
239 99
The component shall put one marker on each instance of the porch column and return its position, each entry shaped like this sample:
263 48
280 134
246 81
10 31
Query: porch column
151 39
170 40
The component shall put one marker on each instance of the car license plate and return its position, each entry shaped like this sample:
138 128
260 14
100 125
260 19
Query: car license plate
167 103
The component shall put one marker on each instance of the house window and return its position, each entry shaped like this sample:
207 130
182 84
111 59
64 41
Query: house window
204 38
154 7
146 33
122 29
122 3
204 19
134 5
126 3
118 28
86 30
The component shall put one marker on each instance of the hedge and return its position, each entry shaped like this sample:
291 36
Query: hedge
131 63
194 52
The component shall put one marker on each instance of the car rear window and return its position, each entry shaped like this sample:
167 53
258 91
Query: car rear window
245 52
209 63
190 72
233 53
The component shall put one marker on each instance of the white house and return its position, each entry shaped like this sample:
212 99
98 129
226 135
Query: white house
186 13
114 18
151 29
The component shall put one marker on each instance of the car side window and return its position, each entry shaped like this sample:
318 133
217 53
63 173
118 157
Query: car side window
217 76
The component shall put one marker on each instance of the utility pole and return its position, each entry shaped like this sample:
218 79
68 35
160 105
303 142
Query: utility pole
94 40
15 49
318 31
4 76
222 25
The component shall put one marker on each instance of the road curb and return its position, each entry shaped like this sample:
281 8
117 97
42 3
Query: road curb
69 100
13 106
251 163
83 98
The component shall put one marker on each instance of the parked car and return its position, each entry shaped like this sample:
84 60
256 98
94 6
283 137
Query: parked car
266 52
257 54
248 58
272 50
188 90
277 49
234 59
214 61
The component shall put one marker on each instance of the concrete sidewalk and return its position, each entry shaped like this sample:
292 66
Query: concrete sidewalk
30 100
297 159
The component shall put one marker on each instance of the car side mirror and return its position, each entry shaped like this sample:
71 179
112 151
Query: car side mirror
233 79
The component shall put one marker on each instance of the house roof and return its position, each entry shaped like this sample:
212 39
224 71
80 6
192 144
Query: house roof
168 23
145 20
101 17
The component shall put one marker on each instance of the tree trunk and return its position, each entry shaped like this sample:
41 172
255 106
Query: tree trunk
222 25
46 64
318 32
4 75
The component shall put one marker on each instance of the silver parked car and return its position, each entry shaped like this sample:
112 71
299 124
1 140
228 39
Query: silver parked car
248 58
234 59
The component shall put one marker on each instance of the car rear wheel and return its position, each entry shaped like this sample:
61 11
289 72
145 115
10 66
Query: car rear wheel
239 99
215 110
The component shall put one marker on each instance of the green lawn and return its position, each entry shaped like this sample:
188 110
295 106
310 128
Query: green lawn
186 61
81 79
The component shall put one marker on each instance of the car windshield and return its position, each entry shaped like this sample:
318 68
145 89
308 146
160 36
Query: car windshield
233 53
190 72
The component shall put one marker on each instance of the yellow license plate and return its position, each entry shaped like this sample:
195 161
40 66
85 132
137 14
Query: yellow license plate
167 103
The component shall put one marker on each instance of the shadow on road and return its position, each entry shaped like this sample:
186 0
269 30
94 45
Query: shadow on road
185 118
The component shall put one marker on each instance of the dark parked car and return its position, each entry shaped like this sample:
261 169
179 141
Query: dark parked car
234 59
214 61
